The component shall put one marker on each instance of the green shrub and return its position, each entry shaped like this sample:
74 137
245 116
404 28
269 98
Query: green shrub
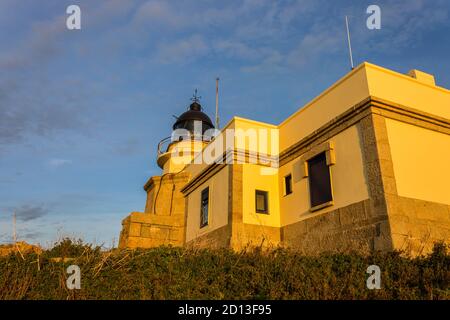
179 273
69 248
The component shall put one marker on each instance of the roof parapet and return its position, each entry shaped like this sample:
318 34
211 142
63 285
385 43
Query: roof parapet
422 76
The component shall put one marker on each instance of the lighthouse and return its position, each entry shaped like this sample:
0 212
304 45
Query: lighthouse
163 220
191 131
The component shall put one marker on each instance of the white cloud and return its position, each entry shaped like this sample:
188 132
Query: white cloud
403 24
40 46
273 62
182 51
59 162
159 12
236 49
313 45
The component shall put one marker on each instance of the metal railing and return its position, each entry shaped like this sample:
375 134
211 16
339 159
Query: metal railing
163 145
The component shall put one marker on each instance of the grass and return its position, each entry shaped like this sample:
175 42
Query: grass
178 273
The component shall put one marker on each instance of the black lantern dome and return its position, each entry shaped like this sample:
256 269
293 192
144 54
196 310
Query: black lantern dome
194 113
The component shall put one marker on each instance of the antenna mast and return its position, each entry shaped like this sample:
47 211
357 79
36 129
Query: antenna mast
14 228
349 43
217 103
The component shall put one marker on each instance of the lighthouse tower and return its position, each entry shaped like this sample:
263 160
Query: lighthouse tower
191 132
163 220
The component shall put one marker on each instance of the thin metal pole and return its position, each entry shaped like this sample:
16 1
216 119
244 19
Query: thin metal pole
349 43
217 103
14 228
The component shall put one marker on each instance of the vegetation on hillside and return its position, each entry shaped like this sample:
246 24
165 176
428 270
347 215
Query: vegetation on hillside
178 273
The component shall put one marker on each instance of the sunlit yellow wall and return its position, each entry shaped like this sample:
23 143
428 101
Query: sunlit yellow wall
149 202
340 97
407 91
253 180
421 159
198 165
239 125
366 80
347 176
266 136
181 154
218 206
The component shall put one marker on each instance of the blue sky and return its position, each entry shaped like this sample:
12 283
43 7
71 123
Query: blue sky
81 112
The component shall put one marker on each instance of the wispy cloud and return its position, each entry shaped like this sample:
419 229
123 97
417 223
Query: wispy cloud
403 25
30 235
27 212
182 51
159 13
127 147
31 102
312 46
59 162
40 46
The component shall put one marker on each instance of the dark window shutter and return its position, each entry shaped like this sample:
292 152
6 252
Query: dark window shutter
261 201
204 208
319 180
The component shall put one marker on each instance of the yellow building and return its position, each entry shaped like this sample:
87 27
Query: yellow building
363 166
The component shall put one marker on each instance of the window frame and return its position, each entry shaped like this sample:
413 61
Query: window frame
330 201
265 194
285 190
202 222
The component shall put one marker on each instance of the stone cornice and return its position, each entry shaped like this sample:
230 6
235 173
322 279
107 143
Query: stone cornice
370 105
229 157
364 108
155 179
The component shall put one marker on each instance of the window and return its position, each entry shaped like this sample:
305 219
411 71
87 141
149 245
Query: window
261 201
288 184
204 208
319 181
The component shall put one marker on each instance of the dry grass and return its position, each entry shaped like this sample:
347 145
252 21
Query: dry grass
177 273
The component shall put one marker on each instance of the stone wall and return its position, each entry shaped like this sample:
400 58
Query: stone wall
219 238
164 196
144 230
415 225
418 224
163 223
354 227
